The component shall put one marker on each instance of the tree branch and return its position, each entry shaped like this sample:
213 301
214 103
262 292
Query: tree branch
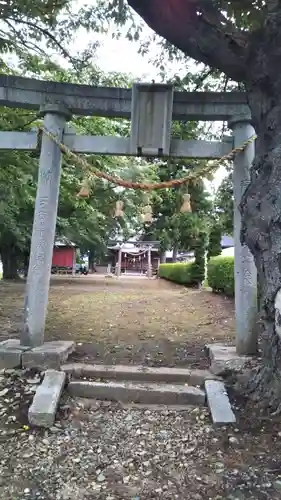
42 30
37 28
198 29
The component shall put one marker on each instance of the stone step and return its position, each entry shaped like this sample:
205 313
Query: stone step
138 373
126 392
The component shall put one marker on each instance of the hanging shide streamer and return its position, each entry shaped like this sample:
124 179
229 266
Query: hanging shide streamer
119 209
186 205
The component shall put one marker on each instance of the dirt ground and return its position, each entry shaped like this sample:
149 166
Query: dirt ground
106 451
130 320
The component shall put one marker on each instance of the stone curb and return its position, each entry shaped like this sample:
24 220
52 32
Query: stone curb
219 403
42 411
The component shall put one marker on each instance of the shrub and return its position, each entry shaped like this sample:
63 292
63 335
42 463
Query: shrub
183 273
179 272
199 265
214 247
221 275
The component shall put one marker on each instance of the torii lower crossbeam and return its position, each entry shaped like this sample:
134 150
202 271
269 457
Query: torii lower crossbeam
116 146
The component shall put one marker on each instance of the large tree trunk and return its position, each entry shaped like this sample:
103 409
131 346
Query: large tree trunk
261 204
10 262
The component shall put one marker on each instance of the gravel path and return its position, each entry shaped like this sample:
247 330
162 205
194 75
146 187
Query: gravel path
108 452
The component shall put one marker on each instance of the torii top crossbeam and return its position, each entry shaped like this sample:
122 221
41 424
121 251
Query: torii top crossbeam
29 93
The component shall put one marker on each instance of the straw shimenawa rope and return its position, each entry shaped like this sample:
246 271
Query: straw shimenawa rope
194 174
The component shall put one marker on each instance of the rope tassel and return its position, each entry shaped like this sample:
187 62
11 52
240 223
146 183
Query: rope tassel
186 206
119 209
85 190
147 214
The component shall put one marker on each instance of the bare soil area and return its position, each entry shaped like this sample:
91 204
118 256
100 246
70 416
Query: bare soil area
130 320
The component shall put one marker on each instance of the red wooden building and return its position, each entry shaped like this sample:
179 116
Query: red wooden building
64 255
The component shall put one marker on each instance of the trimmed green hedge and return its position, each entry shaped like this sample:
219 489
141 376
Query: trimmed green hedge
221 275
178 272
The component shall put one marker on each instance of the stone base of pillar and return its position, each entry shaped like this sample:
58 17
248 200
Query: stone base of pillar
11 353
49 355
224 359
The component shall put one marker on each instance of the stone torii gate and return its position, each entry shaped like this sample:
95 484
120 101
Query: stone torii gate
151 108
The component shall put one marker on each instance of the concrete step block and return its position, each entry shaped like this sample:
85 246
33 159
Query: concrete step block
138 373
42 411
49 355
219 403
126 392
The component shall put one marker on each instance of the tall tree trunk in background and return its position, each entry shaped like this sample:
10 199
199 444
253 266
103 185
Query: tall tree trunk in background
9 258
91 260
175 254
163 258
25 263
261 204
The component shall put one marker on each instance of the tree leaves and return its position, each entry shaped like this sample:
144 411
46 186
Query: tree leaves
224 205
38 27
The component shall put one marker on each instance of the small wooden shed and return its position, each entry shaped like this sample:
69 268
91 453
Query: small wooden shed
64 255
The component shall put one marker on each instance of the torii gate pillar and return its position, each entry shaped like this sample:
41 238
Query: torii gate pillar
44 228
244 266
